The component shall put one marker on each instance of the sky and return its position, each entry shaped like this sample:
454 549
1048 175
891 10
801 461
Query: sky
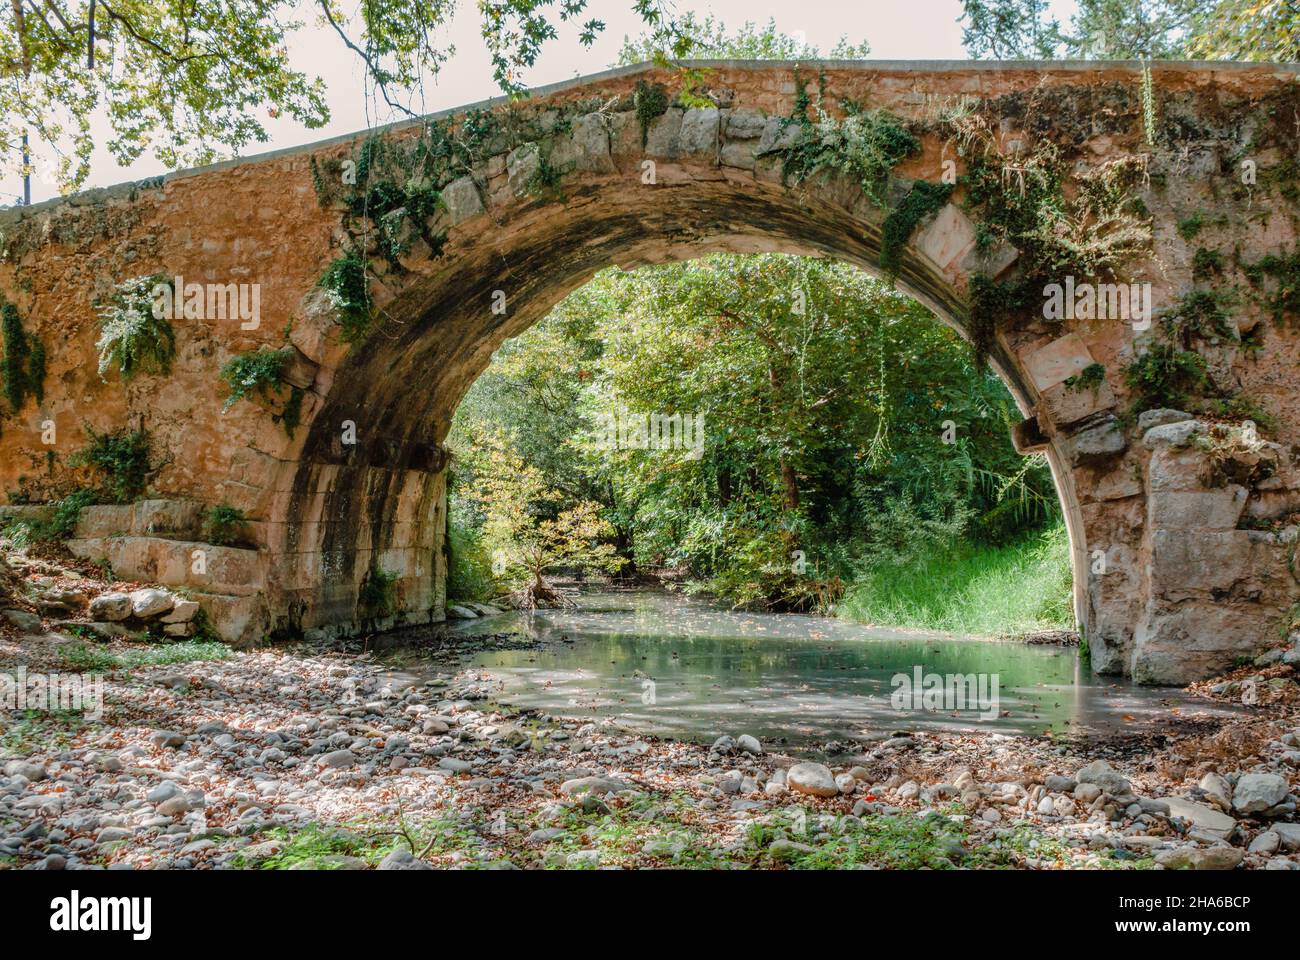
896 30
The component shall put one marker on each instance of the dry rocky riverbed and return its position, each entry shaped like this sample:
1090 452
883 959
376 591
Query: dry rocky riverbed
208 758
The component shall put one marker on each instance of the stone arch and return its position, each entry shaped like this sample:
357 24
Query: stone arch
537 213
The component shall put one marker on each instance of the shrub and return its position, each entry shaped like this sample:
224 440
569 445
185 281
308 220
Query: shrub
258 371
119 460
131 337
59 519
1165 376
224 525
866 145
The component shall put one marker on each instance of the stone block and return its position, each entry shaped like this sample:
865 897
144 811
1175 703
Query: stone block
947 237
698 135
1064 405
1218 509
461 201
1055 362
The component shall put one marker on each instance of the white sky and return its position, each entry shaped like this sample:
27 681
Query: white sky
896 30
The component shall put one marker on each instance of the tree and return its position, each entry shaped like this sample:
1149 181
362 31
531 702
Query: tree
529 529
708 38
189 79
1009 30
1267 30
1135 30
822 395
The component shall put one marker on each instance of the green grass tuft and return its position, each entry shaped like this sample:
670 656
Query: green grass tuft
1017 588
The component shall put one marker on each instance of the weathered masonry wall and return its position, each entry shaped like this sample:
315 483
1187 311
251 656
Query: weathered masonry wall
1180 515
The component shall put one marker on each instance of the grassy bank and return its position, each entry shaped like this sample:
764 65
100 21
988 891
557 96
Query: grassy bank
972 588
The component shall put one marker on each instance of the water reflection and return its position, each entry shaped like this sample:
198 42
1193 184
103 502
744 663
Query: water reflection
790 677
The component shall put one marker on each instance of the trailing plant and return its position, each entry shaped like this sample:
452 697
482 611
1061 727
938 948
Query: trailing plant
132 337
291 415
224 525
923 200
348 287
1148 105
119 460
650 101
16 350
991 302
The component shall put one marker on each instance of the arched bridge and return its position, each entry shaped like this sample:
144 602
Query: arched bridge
1122 247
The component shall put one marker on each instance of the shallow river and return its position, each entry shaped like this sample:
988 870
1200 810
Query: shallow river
681 666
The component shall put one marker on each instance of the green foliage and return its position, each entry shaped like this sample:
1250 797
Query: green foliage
123 656
377 597
970 588
349 291
545 183
261 372
119 461
59 519
1190 226
1089 378
258 371
1206 264
1283 300
469 565
192 82
1199 314
1166 376
864 145
1019 198
992 302
708 38
650 101
823 396
224 525
16 350
131 337
923 200
1264 30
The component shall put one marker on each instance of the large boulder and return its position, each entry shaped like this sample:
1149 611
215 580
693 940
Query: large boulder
1257 792
150 602
110 607
812 778
1101 773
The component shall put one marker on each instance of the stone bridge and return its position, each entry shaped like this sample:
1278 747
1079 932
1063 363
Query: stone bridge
385 268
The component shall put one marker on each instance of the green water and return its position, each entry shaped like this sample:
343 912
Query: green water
673 665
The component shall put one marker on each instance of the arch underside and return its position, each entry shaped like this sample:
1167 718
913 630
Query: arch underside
403 387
